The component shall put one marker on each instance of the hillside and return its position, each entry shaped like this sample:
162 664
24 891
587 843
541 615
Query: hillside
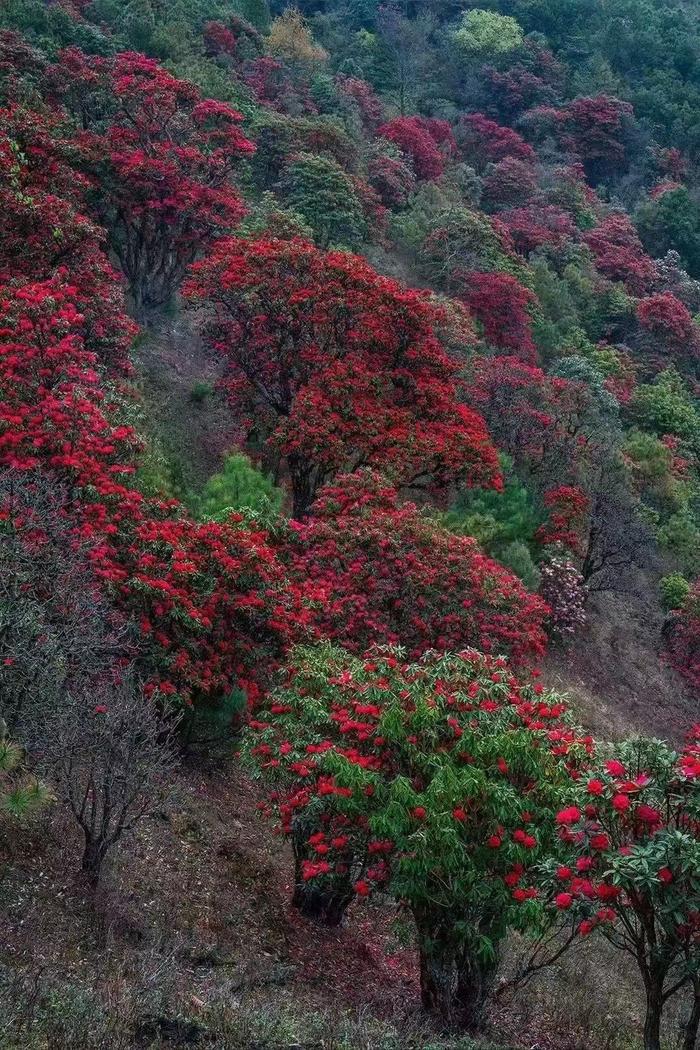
350 523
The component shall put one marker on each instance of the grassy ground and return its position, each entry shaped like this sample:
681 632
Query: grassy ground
191 942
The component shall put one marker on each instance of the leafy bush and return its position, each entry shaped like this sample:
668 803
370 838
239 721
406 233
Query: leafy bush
438 781
239 487
674 590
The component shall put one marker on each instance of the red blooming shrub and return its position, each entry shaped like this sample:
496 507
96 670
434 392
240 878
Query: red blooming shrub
629 867
666 317
53 410
501 303
567 514
273 85
391 178
160 159
337 366
619 255
218 39
369 105
593 129
205 596
536 225
45 236
543 422
683 642
371 567
482 141
424 140
510 181
438 781
516 89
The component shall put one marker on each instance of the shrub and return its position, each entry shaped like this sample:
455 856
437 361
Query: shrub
372 567
674 590
438 781
629 867
239 487
683 645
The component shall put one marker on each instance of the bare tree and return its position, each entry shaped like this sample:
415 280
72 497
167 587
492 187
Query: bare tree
109 755
407 42
57 628
619 540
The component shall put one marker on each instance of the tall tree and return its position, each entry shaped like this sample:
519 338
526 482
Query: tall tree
340 367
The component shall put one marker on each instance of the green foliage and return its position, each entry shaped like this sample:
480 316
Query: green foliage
438 810
671 222
665 406
239 487
201 392
496 519
21 795
324 195
516 557
451 240
674 590
267 218
485 33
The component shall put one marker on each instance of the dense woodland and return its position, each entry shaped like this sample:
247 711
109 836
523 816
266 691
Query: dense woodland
350 524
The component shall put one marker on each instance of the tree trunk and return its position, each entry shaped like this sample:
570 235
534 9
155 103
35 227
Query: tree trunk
324 903
303 489
690 1029
455 982
652 1021
93 859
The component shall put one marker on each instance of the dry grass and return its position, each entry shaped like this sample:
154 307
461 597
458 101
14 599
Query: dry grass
191 943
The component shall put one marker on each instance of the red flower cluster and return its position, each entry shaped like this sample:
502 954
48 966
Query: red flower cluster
161 161
337 365
372 568
425 140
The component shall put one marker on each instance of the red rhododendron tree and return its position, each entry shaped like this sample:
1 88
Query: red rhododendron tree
392 178
160 159
619 255
46 235
593 128
537 225
438 781
482 141
545 423
362 94
567 509
668 330
501 304
53 410
206 598
630 868
509 182
371 567
338 366
426 141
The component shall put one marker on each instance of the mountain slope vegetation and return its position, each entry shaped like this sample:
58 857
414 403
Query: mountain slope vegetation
350 487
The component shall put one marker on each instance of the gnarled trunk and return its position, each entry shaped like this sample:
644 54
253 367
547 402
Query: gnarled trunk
324 902
303 488
652 1020
455 981
93 858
